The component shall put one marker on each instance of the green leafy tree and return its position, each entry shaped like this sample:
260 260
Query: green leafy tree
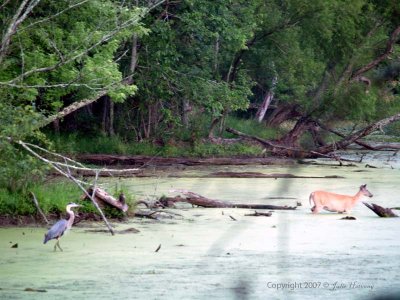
54 54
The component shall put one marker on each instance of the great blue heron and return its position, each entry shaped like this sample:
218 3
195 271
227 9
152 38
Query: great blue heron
58 229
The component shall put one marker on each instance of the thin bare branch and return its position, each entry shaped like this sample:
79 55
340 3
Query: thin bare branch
389 49
4 4
11 30
57 85
34 199
54 15
22 13
58 167
105 38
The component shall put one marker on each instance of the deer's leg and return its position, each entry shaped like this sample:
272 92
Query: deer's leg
315 209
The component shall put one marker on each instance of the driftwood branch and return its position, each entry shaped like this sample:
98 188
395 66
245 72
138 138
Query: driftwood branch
345 142
71 108
326 128
360 143
198 200
101 195
381 211
67 174
326 150
277 148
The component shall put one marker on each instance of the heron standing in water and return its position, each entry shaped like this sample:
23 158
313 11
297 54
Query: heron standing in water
58 229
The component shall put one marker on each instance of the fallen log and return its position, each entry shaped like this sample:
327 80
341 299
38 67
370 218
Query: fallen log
198 200
282 150
101 196
381 211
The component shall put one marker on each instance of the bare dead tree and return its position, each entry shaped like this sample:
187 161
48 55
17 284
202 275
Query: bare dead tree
65 167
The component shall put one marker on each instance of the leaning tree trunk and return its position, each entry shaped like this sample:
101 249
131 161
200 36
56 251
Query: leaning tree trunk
269 96
345 142
291 139
283 113
214 124
262 110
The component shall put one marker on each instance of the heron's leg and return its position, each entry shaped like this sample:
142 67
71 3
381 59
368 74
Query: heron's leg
58 244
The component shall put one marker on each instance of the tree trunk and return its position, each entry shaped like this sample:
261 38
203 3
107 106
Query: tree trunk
283 113
134 59
269 96
111 131
317 138
56 126
105 115
291 139
214 123
149 121
264 106
216 52
186 109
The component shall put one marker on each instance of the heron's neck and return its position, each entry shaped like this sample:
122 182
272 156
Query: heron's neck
71 218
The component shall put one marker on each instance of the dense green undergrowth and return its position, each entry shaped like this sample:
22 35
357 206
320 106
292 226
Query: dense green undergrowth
76 144
187 143
53 197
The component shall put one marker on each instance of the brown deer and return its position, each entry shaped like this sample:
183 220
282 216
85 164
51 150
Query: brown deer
336 202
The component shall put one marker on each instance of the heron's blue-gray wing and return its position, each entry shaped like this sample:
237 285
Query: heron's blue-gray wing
55 231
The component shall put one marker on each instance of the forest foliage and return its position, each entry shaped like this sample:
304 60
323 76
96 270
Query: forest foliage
167 71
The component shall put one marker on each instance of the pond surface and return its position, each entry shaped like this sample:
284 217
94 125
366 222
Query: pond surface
205 254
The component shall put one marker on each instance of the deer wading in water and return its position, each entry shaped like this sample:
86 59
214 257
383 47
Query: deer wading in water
336 202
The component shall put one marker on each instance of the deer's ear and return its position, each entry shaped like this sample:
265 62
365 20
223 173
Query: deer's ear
363 186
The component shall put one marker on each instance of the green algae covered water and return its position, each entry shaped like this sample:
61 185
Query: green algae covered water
206 254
